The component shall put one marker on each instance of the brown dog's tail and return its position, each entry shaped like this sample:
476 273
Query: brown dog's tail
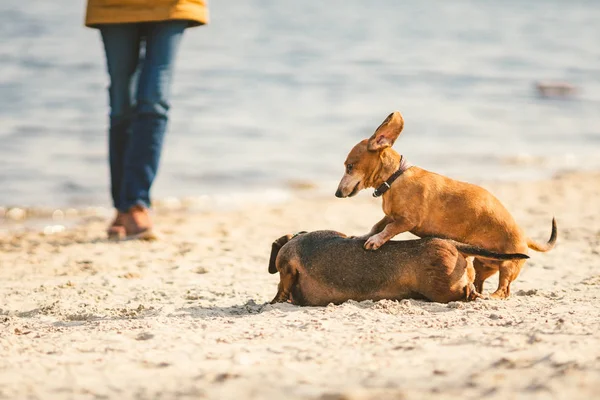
468 250
546 246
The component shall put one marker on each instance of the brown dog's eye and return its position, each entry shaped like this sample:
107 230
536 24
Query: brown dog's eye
349 168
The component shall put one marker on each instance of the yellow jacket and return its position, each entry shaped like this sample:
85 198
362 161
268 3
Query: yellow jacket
120 11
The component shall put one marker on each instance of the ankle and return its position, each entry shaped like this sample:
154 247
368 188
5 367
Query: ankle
138 218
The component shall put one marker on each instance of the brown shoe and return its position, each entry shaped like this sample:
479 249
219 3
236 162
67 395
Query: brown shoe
116 230
138 224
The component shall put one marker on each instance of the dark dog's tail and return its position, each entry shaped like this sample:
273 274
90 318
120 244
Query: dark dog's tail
546 246
469 250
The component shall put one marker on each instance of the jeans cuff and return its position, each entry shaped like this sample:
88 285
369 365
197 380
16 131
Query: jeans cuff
127 205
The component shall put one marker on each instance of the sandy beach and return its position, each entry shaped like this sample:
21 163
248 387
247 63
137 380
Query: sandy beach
185 317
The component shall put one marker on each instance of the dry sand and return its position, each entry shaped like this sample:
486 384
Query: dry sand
185 317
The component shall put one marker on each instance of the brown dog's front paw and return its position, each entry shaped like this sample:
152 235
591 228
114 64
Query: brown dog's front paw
374 242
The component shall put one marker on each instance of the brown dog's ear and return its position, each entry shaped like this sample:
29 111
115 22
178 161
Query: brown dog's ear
387 133
275 247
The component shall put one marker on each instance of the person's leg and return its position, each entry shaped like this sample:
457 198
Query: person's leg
150 116
122 48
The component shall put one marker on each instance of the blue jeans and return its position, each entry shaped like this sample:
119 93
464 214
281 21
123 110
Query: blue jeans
138 115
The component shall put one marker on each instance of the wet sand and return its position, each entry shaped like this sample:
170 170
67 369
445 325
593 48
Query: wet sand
185 317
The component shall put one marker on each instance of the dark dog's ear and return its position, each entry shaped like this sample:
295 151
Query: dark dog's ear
275 247
387 133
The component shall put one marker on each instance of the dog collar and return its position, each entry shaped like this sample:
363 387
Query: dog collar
385 186
298 234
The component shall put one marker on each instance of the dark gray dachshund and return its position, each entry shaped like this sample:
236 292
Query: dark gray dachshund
323 267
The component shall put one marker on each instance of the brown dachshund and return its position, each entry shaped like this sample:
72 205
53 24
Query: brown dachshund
324 267
428 204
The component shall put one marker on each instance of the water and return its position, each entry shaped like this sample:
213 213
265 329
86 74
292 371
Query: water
278 91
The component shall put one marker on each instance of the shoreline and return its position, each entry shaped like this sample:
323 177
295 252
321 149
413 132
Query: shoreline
15 219
185 316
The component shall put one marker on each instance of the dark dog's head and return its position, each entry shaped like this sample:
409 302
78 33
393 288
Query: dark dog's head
275 247
364 158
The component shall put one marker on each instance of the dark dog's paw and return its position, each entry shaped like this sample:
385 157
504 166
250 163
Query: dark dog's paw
471 293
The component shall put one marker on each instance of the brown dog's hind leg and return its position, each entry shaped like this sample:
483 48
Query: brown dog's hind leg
483 270
509 270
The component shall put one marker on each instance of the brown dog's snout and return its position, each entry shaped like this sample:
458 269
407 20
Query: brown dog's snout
348 187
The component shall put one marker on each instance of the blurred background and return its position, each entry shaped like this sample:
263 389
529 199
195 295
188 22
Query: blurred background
273 94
